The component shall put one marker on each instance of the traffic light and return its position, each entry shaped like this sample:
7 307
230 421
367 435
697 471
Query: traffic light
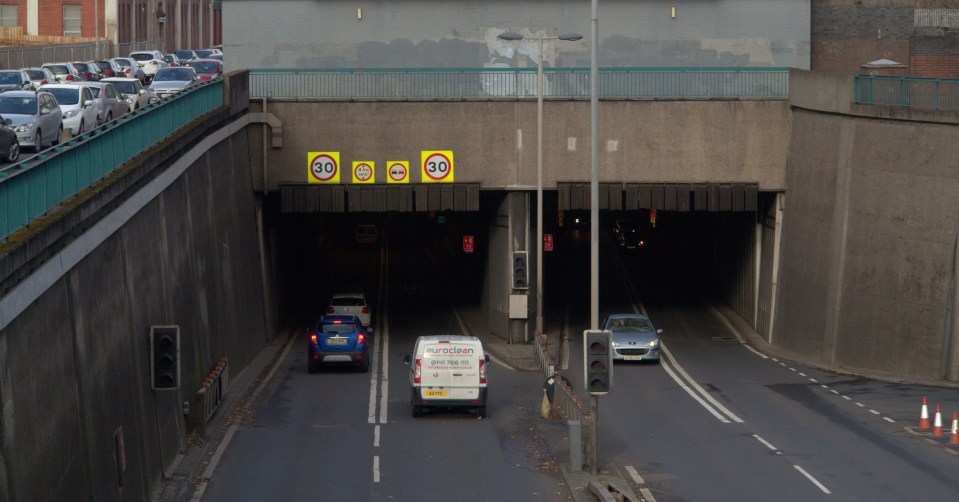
165 356
520 270
598 361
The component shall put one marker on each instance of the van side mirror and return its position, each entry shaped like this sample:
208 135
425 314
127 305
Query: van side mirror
486 357
407 359
369 329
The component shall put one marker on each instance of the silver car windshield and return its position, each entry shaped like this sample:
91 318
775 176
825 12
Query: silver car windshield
125 87
18 106
65 96
164 76
630 323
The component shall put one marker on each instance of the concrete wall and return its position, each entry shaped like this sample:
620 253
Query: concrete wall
494 142
463 33
869 238
74 365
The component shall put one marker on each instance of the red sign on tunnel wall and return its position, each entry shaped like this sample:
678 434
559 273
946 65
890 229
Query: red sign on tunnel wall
467 243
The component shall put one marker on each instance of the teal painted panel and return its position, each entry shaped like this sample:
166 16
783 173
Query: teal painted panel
30 189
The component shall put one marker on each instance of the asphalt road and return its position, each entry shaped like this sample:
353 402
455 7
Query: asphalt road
716 420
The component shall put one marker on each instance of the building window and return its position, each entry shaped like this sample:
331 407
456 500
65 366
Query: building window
71 20
8 15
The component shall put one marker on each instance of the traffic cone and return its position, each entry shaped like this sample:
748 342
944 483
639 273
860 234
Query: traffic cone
924 416
937 425
954 437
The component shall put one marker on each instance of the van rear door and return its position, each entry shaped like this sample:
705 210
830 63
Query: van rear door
451 370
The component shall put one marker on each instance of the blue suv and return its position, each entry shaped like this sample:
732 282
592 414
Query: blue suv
339 340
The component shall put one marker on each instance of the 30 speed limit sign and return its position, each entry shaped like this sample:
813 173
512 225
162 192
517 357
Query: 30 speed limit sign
437 166
323 167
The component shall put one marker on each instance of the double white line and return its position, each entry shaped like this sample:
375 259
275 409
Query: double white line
379 378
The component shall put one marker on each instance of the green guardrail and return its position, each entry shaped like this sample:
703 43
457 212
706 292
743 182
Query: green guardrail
31 188
907 92
517 83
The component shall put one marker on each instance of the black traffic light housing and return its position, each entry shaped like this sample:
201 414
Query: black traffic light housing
598 361
520 270
165 357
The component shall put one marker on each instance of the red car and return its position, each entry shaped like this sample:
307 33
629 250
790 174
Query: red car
207 69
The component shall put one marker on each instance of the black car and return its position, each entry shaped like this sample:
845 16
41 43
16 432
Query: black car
9 145
15 80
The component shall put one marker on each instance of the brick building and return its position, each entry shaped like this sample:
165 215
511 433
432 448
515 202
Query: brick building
172 23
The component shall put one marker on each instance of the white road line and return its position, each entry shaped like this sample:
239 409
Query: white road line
732 416
754 351
813 380
814 481
373 381
666 366
384 376
824 386
376 436
726 322
860 405
889 420
228 436
767 443
635 475
874 412
802 374
376 468
792 369
847 398
834 391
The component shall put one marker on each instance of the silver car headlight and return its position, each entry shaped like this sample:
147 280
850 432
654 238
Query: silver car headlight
653 343
25 127
70 113
129 100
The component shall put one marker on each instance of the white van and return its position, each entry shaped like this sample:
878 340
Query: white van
448 371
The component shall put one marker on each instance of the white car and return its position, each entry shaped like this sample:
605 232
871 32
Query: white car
350 304
76 104
133 91
150 61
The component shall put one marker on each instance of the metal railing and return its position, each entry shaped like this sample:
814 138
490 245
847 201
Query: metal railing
211 393
907 92
566 402
517 83
31 188
26 56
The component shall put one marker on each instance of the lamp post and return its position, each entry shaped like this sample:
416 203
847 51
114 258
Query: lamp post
570 37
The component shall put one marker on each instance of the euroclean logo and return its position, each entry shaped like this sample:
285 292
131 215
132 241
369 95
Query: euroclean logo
445 351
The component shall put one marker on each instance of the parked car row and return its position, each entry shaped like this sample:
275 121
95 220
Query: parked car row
37 104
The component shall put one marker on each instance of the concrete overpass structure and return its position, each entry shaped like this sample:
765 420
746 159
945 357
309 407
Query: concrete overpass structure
848 260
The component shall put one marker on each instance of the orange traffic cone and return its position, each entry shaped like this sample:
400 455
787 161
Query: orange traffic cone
954 437
937 424
924 415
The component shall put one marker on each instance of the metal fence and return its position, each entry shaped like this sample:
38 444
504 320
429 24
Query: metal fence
26 56
907 92
31 188
517 83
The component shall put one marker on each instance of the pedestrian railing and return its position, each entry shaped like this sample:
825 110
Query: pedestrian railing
907 92
567 404
517 83
212 391
31 188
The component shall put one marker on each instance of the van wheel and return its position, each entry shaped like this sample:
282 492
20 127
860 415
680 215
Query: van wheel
417 411
481 412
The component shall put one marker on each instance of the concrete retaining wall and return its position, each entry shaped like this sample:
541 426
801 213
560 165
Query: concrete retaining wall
494 142
75 370
869 239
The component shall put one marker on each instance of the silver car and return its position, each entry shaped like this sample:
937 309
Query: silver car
35 116
15 80
108 101
40 76
169 81
132 90
150 61
634 337
131 68
76 104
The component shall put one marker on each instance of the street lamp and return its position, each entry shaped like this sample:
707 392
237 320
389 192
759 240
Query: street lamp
570 37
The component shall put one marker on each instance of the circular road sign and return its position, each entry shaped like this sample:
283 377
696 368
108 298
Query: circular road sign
438 166
363 172
323 167
397 172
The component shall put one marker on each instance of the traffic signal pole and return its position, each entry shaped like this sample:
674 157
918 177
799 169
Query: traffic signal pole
593 455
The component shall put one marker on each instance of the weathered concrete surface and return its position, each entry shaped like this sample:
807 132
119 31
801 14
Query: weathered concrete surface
75 366
494 142
869 241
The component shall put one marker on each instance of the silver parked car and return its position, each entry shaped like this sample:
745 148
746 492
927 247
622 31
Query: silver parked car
169 81
64 72
132 90
150 61
634 337
131 68
76 105
35 116
40 76
108 101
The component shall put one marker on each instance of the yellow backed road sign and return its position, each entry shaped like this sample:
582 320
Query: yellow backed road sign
363 171
323 167
436 166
